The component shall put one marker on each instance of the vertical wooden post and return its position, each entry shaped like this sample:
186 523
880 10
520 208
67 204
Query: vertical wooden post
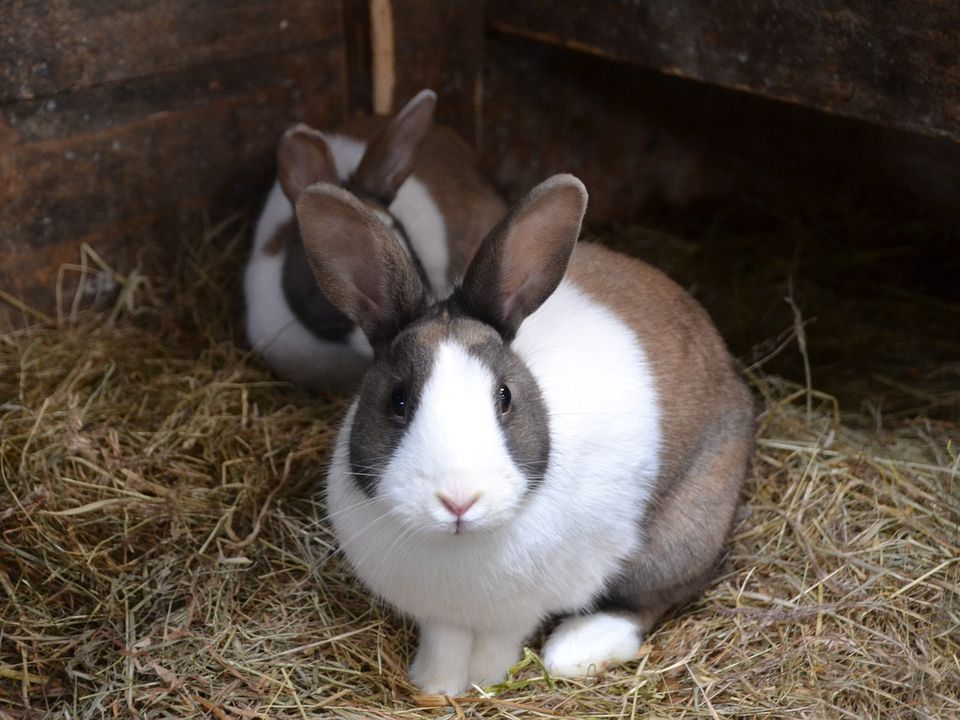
383 61
415 44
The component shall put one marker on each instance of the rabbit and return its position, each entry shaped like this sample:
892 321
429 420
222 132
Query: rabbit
564 435
421 180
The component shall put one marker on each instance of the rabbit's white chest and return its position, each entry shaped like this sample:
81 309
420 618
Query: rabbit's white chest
517 575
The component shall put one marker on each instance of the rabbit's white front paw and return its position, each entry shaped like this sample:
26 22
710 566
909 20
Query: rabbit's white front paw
442 660
493 653
589 643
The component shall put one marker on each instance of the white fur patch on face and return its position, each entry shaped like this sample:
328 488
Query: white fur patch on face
454 450
588 644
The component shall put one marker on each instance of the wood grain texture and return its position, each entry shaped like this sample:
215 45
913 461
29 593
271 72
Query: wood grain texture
117 165
894 63
436 44
356 40
49 46
625 134
648 145
440 45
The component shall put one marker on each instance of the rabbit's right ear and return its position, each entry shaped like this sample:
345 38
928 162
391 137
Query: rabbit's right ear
392 153
359 264
304 158
524 258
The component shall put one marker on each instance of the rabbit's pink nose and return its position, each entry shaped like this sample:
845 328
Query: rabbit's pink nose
457 509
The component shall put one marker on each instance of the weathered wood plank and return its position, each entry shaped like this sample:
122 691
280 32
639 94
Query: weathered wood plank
440 45
435 44
47 46
112 164
894 63
649 146
548 111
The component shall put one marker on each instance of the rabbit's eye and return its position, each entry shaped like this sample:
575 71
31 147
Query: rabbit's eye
504 398
398 402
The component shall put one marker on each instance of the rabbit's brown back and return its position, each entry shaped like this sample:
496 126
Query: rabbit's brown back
707 433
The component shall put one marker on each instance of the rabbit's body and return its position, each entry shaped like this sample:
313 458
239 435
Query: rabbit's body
439 212
540 443
528 563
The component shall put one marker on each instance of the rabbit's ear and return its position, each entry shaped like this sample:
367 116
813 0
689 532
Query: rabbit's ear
304 158
392 153
523 259
359 264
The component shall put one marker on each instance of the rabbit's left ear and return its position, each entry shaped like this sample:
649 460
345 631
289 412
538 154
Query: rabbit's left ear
304 158
523 259
359 264
392 153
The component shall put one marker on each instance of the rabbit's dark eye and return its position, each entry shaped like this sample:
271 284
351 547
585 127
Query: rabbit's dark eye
398 402
504 398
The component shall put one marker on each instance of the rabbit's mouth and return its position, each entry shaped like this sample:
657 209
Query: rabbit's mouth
461 526
467 529
441 523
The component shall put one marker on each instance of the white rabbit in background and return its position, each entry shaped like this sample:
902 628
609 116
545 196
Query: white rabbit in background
419 179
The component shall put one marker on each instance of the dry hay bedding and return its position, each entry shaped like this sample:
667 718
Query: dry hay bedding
163 551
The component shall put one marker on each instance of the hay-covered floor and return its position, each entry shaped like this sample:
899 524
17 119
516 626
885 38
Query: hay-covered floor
163 551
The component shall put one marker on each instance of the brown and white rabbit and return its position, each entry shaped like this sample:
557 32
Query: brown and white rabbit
419 179
565 434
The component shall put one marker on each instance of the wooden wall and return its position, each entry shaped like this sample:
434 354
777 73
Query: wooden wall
118 118
395 48
670 105
121 120
649 144
890 62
